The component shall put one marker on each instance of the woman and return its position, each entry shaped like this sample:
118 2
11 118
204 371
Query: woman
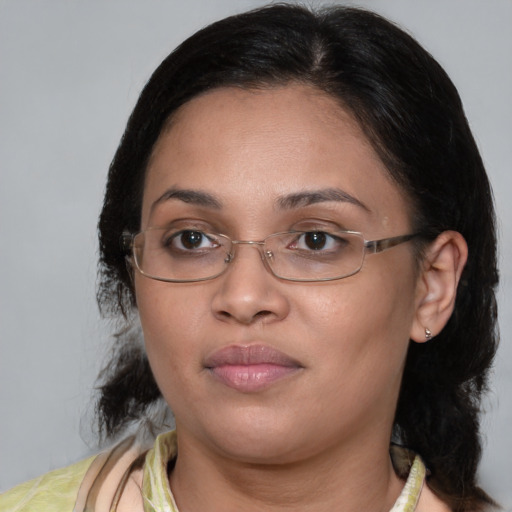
299 215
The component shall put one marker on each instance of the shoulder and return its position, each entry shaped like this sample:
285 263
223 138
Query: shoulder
56 491
92 484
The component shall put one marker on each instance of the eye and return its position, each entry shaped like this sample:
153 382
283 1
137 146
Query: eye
316 241
190 240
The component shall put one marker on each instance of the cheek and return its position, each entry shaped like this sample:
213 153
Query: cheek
360 305
171 321
362 325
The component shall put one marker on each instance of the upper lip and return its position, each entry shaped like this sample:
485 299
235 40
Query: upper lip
245 355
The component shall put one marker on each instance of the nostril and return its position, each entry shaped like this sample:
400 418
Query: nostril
261 314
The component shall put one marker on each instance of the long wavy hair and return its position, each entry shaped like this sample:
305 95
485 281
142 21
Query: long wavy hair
411 113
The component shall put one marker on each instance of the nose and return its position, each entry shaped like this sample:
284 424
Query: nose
248 292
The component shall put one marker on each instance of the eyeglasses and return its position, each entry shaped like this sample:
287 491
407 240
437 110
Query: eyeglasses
188 255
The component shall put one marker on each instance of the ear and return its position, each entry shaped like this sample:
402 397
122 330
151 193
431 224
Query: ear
436 287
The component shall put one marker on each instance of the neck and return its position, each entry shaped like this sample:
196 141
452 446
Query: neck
341 479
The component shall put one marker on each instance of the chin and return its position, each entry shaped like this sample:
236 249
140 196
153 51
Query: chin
255 438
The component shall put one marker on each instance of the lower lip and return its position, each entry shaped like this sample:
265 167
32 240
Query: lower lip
251 378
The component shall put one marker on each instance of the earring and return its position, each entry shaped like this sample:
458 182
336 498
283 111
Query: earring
428 334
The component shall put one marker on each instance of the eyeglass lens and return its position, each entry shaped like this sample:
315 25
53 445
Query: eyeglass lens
188 255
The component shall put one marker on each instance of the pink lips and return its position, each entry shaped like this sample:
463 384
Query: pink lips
250 368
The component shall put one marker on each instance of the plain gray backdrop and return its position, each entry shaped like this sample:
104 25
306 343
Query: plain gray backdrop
70 73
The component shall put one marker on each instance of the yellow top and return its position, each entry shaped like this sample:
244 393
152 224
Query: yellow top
55 491
101 483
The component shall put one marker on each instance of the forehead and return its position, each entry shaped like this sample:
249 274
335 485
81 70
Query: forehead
307 114
267 143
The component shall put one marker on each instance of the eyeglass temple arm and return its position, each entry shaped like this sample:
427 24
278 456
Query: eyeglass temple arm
126 242
375 246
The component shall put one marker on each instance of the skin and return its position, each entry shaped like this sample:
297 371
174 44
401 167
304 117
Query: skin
319 436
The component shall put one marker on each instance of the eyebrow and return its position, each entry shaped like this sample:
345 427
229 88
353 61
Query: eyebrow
287 202
302 199
196 197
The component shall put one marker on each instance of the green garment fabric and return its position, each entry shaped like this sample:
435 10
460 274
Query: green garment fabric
156 492
56 491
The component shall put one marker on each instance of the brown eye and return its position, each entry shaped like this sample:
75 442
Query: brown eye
191 239
321 242
315 240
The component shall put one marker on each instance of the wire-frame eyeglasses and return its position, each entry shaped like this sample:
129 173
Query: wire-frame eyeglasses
188 255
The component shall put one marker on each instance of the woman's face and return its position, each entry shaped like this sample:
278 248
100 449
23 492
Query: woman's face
256 368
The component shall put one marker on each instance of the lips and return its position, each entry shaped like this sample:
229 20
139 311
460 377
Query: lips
250 368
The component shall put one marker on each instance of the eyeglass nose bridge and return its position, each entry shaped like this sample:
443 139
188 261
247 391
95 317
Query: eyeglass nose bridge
266 255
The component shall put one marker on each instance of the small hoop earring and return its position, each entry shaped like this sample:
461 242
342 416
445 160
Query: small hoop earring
428 334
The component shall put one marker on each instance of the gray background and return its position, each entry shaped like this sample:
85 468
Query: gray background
70 72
